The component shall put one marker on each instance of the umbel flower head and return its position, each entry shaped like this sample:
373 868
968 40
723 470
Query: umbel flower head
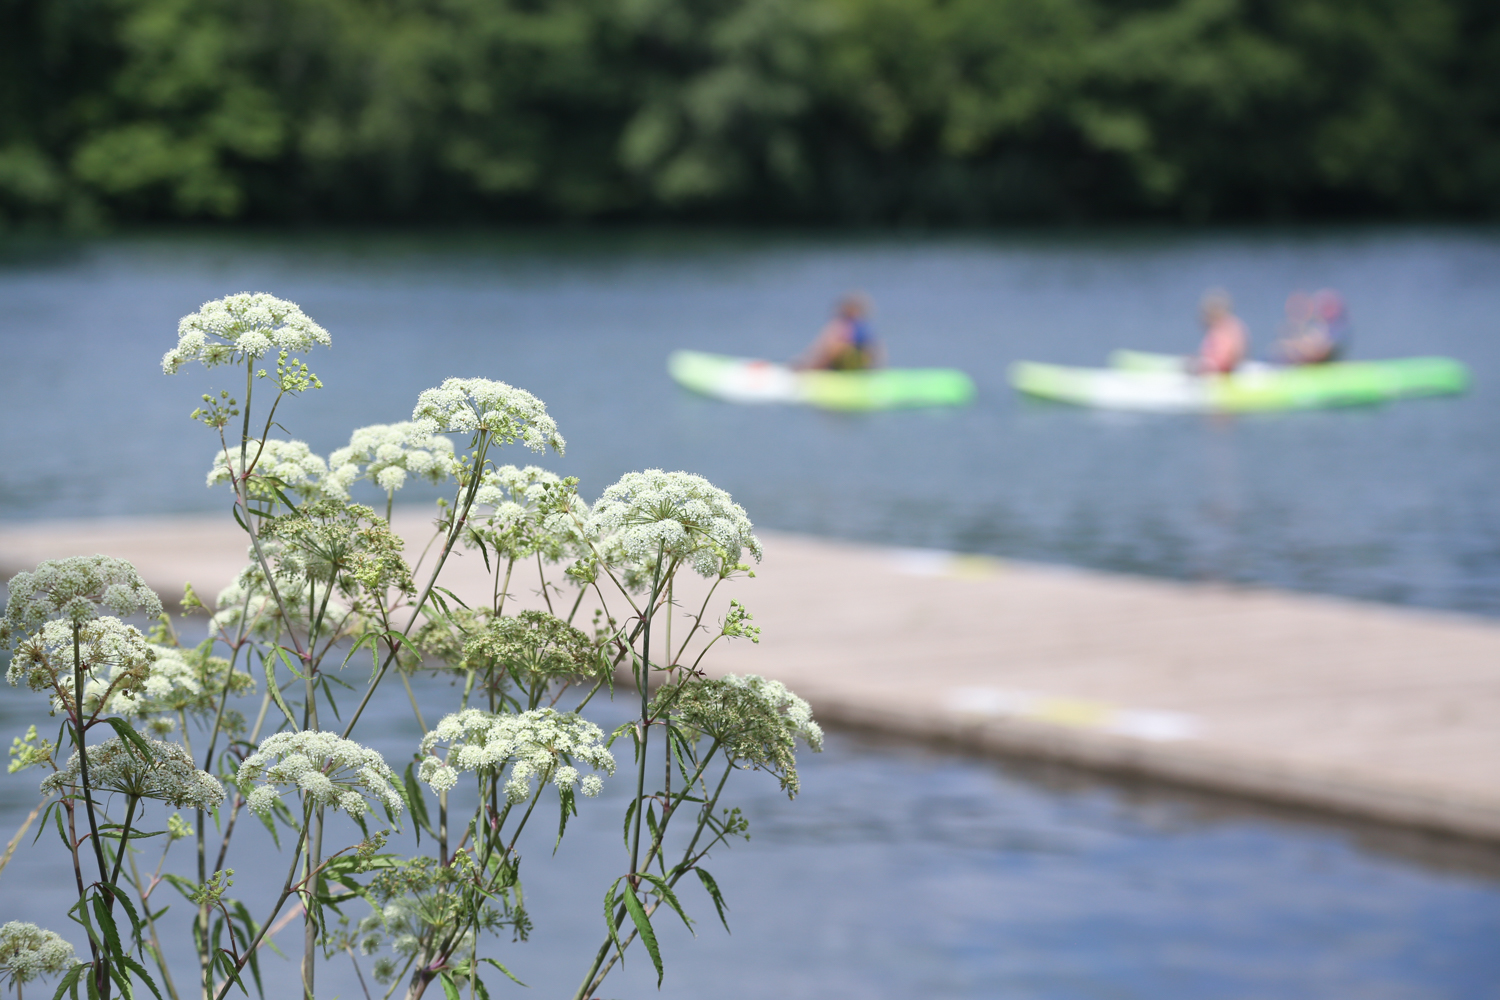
677 514
292 463
179 680
469 405
242 327
27 951
756 721
326 768
44 661
166 774
74 589
538 743
386 453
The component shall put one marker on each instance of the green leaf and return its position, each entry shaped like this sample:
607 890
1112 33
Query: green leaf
567 806
274 688
450 989
131 737
643 924
629 812
714 894
458 600
416 803
609 917
145 977
670 898
286 658
106 926
69 981
509 975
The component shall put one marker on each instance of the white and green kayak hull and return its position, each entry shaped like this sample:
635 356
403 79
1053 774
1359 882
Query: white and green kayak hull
747 380
1161 382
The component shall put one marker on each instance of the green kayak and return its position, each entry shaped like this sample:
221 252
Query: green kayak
747 380
1140 381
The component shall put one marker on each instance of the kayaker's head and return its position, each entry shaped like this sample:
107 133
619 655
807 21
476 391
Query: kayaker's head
1214 306
854 306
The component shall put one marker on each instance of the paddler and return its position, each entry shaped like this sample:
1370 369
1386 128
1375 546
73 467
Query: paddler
845 342
1317 328
1225 339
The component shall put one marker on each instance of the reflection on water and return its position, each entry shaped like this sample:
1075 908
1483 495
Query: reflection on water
901 873
1393 503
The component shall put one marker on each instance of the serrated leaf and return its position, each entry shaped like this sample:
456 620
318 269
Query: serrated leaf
643 925
507 972
274 688
664 890
713 892
136 741
450 989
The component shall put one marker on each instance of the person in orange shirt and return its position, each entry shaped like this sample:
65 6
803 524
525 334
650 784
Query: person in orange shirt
1225 338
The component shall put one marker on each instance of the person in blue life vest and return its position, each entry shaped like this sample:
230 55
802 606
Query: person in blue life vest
845 342
1316 330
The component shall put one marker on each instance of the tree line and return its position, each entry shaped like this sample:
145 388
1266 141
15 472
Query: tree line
795 111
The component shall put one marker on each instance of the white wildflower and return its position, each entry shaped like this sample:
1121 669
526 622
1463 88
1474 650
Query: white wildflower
780 699
755 721
241 327
27 951
386 453
45 660
467 405
169 774
680 515
291 462
538 743
77 589
327 769
179 680
248 599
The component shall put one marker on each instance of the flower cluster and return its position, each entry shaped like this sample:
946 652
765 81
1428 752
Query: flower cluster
756 721
27 951
179 680
534 648
386 453
541 742
677 514
45 660
327 769
241 327
167 774
469 405
290 463
75 589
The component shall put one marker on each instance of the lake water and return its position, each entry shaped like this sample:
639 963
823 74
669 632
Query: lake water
1392 504
899 872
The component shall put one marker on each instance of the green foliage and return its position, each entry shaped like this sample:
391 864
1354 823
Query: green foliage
833 110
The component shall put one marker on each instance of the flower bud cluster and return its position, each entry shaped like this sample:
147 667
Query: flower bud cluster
386 453
27 951
327 769
756 721
45 660
76 589
538 743
677 514
290 462
242 327
469 405
165 773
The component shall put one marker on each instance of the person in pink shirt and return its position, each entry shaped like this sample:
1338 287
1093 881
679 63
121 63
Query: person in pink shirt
1225 339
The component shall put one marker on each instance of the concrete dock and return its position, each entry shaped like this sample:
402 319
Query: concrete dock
1364 710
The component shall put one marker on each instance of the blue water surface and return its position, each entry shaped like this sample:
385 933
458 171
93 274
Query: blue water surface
899 872
1392 503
